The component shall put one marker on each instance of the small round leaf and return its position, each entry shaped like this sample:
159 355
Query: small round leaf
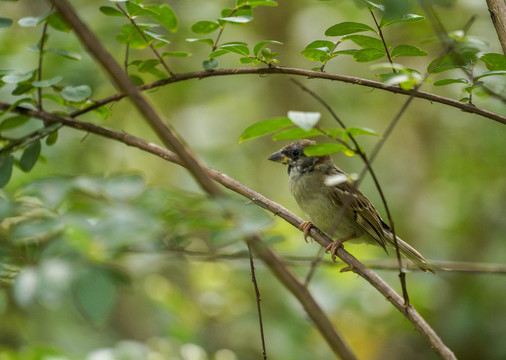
76 93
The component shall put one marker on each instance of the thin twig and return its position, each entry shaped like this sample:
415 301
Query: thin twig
41 56
385 46
127 52
305 73
410 313
322 68
222 27
257 296
315 261
386 264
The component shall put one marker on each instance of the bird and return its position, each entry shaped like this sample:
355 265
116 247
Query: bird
335 205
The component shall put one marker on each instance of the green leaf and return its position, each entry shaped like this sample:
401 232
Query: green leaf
146 65
176 54
25 100
65 53
261 44
129 34
323 149
52 138
217 53
407 50
57 23
14 122
156 36
365 41
470 89
373 6
210 65
304 120
24 87
242 19
102 112
136 80
17 77
47 83
246 60
165 16
355 131
451 81
6 163
30 156
441 64
76 93
236 48
323 45
407 79
55 99
208 41
110 11
5 22
95 295
491 73
265 127
316 54
296 134
346 28
385 21
204 27
255 3
133 9
369 54
494 61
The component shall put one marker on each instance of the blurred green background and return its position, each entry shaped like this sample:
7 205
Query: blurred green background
93 238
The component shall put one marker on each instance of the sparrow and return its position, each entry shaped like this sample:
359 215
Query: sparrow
334 205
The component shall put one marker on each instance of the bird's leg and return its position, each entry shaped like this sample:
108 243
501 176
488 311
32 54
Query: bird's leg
335 244
305 227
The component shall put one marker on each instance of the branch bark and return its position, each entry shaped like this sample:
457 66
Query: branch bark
305 73
409 312
497 9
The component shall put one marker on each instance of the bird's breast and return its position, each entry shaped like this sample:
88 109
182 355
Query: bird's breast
311 194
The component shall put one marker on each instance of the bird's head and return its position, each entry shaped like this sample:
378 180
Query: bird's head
293 156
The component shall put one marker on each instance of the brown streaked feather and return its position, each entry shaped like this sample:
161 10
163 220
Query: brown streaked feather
358 207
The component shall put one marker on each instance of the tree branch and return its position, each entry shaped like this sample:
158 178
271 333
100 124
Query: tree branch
309 74
386 264
409 312
497 9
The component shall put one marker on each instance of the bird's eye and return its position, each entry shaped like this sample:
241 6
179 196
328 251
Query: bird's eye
296 152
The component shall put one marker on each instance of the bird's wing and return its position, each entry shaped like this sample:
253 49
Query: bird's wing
359 208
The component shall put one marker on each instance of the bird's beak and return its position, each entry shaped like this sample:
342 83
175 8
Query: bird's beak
278 157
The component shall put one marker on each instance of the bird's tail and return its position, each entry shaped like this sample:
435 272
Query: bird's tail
410 253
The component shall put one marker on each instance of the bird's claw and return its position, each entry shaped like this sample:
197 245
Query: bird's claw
305 227
333 249
333 246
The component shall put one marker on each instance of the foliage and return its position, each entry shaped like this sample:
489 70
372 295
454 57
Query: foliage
109 259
